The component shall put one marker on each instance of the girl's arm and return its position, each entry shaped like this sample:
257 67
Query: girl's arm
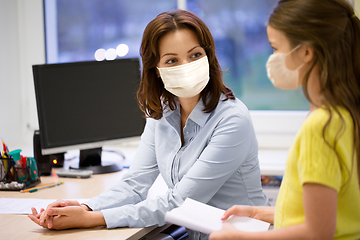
261 213
320 207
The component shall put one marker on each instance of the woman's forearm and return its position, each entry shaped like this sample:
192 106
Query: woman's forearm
95 219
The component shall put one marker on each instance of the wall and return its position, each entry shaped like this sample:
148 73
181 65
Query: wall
10 118
21 46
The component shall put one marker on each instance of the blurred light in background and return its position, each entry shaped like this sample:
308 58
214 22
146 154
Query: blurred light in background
122 50
110 54
100 54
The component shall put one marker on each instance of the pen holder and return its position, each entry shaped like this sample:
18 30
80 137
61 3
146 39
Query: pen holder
15 178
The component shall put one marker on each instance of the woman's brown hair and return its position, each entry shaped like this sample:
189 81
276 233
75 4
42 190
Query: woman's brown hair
152 94
333 30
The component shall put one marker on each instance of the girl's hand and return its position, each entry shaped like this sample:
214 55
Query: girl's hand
261 213
230 232
240 210
226 233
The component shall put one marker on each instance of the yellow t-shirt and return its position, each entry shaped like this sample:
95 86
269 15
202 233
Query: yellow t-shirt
311 160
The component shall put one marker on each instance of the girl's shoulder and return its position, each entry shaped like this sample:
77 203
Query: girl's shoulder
335 120
322 116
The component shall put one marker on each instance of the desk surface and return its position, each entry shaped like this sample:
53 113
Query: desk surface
21 227
15 226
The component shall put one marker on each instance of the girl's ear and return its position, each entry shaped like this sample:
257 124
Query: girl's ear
308 53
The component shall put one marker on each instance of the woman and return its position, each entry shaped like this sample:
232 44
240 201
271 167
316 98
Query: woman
198 136
316 45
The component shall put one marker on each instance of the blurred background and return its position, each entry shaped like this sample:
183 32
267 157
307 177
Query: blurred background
58 31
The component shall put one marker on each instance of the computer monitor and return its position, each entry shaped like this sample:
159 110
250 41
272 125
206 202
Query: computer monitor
86 105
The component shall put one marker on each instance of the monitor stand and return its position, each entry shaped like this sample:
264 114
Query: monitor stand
90 159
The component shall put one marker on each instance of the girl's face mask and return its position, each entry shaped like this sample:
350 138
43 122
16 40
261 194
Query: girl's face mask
279 74
186 80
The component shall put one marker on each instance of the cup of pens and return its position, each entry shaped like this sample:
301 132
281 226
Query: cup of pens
17 172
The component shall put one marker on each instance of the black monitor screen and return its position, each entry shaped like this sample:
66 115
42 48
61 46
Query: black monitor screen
87 104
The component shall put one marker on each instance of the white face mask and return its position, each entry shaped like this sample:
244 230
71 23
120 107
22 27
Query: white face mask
279 74
186 80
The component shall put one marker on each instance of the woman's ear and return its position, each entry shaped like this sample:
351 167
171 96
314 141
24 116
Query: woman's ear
157 72
309 54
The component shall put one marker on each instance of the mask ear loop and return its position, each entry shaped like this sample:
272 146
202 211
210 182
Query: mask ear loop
301 65
292 52
294 49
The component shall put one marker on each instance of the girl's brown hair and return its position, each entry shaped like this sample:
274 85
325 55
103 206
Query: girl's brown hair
333 29
151 93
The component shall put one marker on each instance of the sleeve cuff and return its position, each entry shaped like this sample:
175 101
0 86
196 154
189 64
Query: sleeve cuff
91 205
113 220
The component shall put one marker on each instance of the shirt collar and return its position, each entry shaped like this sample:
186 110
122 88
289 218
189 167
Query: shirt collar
197 115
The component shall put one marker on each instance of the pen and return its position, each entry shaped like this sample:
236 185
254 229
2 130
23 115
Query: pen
5 148
6 163
34 189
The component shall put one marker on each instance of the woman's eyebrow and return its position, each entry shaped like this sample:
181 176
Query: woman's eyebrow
193 48
172 54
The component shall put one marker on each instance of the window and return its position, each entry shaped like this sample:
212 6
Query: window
82 30
239 30
76 29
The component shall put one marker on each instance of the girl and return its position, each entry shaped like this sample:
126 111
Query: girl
316 45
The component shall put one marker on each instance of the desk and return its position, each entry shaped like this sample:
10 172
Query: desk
21 227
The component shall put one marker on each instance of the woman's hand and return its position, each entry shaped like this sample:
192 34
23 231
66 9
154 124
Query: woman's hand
35 217
73 217
65 217
261 213
58 203
44 219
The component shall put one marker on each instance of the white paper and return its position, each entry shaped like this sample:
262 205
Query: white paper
24 205
207 219
247 224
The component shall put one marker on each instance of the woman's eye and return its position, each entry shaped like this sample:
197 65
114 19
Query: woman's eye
170 61
196 55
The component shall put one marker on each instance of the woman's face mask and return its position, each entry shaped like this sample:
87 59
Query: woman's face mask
279 74
186 80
